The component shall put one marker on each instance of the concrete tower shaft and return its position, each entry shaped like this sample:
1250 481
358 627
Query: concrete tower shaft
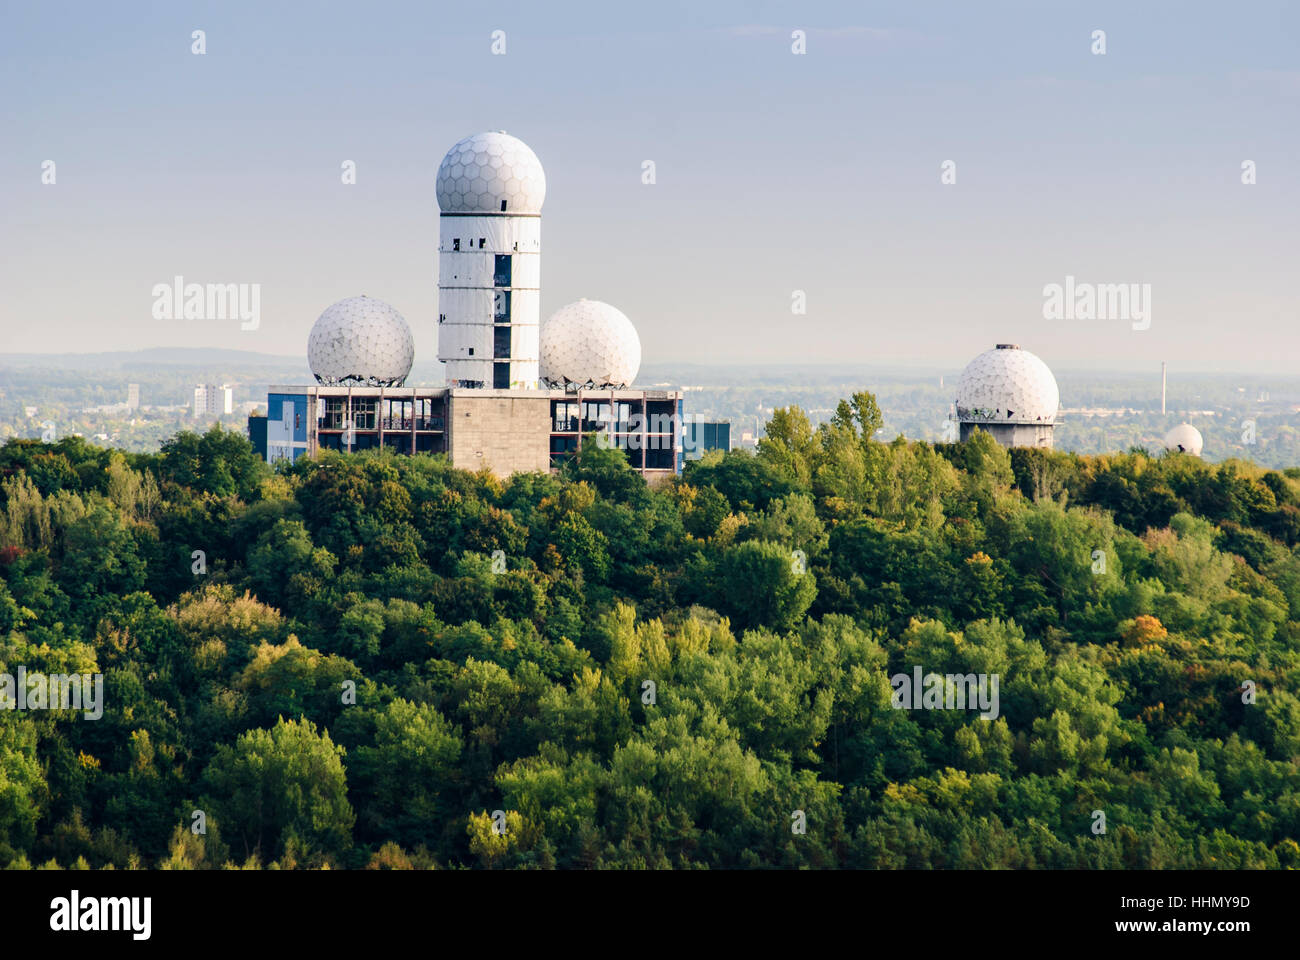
490 190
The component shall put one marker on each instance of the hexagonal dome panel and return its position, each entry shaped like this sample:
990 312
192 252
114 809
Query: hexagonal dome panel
483 172
1007 385
360 341
589 343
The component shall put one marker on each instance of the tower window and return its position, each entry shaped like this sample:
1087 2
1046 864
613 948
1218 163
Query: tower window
482 242
500 376
471 351
503 206
455 244
501 274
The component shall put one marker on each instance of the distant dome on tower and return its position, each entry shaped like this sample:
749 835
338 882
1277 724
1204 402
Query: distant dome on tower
589 343
360 340
491 173
1185 438
1007 385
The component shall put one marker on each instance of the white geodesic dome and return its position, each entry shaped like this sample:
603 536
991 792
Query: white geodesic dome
360 340
491 173
589 343
1007 385
1185 438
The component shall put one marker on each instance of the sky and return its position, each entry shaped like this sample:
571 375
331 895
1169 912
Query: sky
775 172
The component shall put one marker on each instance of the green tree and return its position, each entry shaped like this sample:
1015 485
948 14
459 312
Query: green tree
403 783
763 584
274 785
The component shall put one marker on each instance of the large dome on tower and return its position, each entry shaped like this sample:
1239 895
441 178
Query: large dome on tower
360 341
491 173
1007 385
589 343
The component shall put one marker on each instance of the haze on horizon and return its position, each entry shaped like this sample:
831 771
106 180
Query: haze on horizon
774 172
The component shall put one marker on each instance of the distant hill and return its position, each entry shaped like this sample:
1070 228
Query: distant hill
157 356
278 368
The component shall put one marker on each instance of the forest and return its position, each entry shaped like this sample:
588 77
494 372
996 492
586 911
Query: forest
380 662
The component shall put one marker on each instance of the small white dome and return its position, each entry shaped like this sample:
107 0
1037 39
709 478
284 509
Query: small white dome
1185 438
1007 385
589 343
360 341
491 173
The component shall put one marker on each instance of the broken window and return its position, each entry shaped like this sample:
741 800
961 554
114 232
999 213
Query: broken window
455 244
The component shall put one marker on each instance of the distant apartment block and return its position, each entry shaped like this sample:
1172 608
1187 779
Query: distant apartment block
213 400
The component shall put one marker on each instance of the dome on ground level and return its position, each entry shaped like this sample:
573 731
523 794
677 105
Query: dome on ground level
360 340
589 343
1185 438
1007 385
491 173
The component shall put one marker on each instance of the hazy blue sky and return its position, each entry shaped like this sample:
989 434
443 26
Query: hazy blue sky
775 172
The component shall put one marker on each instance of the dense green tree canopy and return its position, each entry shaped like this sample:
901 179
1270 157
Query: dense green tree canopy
380 661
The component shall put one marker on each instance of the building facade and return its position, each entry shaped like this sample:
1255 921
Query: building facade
699 437
502 430
213 400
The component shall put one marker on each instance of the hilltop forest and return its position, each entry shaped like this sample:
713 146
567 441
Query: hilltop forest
374 661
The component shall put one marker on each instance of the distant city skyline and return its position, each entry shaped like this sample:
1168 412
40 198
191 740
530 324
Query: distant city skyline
779 177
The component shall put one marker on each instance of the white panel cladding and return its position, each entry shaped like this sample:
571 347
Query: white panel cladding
465 269
461 305
520 372
525 306
524 342
499 234
474 370
527 272
468 295
474 307
456 339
